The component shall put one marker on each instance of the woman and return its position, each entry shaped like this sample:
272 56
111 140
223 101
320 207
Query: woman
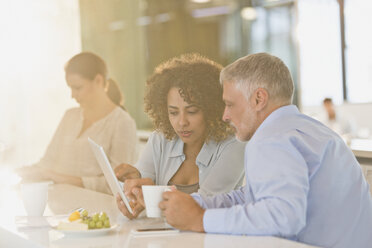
69 158
192 148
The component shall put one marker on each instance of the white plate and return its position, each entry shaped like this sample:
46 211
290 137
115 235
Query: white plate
89 232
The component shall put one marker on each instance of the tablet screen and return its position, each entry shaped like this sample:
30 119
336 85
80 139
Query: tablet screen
108 172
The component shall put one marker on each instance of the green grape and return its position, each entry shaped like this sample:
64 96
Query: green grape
102 216
95 217
107 223
99 224
91 224
86 221
84 213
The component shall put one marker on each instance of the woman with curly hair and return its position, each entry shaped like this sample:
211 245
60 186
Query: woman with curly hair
192 148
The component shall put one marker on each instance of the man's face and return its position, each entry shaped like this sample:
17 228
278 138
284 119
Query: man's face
239 112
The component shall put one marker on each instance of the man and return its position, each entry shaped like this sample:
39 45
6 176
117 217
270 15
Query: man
338 123
302 182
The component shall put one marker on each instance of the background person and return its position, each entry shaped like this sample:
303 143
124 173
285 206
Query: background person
302 182
335 121
68 158
192 148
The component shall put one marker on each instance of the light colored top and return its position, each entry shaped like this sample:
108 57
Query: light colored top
302 183
71 155
221 165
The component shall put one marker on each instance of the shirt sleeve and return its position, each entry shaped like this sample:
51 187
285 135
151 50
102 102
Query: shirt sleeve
227 173
123 149
146 163
222 200
124 143
96 183
278 180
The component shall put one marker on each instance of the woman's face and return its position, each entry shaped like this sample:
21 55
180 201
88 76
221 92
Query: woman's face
83 90
186 119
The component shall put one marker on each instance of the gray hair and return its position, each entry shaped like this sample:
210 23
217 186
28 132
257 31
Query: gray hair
260 70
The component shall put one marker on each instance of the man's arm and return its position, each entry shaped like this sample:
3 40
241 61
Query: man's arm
221 200
278 179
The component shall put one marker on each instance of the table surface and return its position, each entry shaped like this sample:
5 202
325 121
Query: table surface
362 148
65 198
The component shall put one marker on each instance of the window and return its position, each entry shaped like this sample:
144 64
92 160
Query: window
320 51
318 34
358 50
36 39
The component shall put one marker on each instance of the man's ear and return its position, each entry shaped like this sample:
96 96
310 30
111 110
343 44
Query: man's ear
261 97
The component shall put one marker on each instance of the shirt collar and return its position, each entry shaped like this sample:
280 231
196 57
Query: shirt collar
205 155
276 114
177 148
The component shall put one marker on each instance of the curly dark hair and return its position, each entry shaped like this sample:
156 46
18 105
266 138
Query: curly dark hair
197 78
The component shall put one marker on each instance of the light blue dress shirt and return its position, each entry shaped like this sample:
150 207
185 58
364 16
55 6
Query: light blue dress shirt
221 165
302 183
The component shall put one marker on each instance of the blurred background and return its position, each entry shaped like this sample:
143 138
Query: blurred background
325 43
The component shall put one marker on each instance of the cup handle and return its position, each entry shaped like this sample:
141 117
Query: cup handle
170 188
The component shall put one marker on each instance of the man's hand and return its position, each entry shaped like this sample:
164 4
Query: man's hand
182 211
126 171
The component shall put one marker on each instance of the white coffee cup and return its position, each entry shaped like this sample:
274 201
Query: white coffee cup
153 195
35 197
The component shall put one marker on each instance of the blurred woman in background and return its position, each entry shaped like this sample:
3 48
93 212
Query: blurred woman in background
100 116
192 148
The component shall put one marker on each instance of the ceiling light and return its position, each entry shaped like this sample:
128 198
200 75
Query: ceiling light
200 1
249 13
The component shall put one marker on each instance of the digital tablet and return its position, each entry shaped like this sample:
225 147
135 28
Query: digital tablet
154 231
108 172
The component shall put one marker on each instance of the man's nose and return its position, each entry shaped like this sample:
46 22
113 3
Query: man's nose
225 116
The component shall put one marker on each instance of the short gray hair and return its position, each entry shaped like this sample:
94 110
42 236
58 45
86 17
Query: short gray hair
260 70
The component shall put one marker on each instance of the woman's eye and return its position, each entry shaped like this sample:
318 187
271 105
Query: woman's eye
172 113
193 111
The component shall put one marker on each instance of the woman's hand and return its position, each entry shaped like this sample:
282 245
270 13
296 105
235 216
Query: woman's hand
126 171
137 208
36 173
65 179
32 173
133 191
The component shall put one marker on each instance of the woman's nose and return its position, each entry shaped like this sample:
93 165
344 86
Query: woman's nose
73 94
183 121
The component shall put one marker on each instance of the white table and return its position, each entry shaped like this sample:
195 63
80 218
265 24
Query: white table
362 148
65 198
